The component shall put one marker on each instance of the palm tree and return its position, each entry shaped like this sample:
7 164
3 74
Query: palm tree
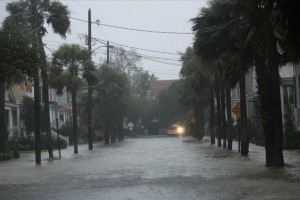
35 13
113 93
67 63
260 27
216 36
196 92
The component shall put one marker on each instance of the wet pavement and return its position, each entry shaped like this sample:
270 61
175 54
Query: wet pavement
159 168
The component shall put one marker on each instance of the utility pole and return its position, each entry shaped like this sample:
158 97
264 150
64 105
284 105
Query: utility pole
36 90
107 45
90 90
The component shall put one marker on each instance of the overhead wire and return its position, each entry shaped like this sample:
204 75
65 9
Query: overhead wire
133 29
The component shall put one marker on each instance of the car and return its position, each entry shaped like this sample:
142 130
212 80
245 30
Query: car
176 129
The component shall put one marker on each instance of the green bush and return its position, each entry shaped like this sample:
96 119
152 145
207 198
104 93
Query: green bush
25 147
63 143
293 140
12 144
5 156
15 154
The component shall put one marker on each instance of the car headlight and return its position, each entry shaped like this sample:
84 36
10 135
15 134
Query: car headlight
180 130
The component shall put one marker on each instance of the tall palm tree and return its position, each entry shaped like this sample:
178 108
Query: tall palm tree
35 13
67 63
196 90
260 29
216 35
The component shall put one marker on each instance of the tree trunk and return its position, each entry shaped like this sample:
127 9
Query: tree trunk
269 96
120 130
268 81
212 118
74 112
201 122
37 117
229 117
197 123
219 123
106 129
3 129
89 117
223 117
44 75
243 103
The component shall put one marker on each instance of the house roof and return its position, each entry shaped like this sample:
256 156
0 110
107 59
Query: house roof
65 107
157 86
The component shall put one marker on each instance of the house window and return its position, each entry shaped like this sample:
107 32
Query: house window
288 96
7 117
61 117
50 95
14 117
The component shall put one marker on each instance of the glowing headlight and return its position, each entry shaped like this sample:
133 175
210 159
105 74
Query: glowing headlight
180 130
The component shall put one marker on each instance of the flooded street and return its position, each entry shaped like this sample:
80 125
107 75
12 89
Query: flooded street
151 168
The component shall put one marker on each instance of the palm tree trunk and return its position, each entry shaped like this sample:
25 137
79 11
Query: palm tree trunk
44 75
74 112
219 123
3 129
212 118
229 117
120 130
89 117
268 81
243 103
223 117
201 122
37 117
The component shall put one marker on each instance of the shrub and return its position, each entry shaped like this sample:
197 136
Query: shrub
25 147
12 144
293 140
15 154
5 156
62 143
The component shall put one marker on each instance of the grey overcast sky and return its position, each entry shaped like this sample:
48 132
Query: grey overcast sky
159 15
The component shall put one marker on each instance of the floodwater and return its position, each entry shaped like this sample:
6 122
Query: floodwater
158 168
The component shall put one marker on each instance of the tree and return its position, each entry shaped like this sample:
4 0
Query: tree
67 64
215 37
169 107
261 26
16 59
27 115
196 87
113 93
35 13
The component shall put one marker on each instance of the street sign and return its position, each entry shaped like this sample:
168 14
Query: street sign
237 110
60 123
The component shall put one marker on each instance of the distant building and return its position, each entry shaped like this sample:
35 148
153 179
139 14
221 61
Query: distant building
287 94
59 106
157 86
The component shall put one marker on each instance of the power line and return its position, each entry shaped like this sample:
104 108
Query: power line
122 45
134 29
142 30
